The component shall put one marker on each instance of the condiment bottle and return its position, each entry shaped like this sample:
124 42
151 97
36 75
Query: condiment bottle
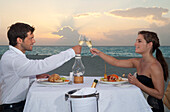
71 77
94 83
105 76
78 69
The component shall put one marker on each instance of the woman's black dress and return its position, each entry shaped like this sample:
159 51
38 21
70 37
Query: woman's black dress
156 104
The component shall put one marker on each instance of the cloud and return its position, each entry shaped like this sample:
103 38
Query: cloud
61 31
68 21
153 14
163 33
68 35
114 38
128 37
94 14
119 38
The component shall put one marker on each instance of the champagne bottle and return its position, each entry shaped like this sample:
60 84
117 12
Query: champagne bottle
94 83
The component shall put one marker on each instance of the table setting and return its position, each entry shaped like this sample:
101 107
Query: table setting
51 97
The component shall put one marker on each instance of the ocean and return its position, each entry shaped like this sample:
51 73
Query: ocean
116 51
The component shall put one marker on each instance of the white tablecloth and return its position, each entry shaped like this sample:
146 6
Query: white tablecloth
51 98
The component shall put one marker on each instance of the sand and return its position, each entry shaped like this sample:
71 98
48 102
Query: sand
93 66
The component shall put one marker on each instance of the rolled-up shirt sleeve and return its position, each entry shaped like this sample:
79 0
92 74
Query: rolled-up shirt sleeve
27 67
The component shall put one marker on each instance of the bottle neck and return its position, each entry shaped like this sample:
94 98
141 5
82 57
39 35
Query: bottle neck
78 57
94 83
78 60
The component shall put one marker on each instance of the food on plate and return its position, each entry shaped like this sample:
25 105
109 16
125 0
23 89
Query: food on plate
112 78
66 80
54 78
57 78
123 75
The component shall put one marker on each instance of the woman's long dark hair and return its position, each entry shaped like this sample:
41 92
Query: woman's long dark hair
152 37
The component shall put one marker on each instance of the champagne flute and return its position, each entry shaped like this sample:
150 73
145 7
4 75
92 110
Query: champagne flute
89 44
81 40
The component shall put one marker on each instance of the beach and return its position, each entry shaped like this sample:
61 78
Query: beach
93 66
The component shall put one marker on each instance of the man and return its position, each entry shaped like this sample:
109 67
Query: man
16 69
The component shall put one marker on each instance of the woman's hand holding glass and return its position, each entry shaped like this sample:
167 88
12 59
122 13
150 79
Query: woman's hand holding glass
94 51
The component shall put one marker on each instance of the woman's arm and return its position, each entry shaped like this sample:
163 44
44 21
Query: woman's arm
129 63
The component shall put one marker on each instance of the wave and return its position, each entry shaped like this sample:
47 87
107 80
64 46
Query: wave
116 51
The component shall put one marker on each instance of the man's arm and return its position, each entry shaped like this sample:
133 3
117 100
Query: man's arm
26 67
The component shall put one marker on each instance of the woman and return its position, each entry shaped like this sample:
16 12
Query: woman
151 71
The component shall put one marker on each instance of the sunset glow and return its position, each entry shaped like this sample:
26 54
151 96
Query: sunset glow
105 22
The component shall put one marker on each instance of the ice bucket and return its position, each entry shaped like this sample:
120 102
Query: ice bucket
82 103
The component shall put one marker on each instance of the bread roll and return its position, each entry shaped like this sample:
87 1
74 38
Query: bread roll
54 78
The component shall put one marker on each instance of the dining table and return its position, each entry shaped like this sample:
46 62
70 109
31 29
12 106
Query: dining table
123 97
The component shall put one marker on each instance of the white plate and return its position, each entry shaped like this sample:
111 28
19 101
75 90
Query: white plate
45 81
123 85
125 80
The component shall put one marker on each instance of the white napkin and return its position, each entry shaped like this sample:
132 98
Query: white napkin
81 104
85 91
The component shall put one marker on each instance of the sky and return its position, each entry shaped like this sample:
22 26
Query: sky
105 22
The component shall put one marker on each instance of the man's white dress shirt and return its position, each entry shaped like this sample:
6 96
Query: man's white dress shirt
16 68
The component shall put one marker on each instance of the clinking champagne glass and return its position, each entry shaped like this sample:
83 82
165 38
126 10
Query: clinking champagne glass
81 40
89 44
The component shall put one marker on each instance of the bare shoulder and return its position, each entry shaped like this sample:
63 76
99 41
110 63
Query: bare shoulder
155 65
156 68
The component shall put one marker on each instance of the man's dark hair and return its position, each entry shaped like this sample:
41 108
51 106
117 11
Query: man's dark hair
18 30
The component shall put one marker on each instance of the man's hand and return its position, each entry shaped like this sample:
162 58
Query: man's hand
77 49
42 76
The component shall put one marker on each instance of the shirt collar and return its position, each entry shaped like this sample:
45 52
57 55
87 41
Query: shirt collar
16 50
